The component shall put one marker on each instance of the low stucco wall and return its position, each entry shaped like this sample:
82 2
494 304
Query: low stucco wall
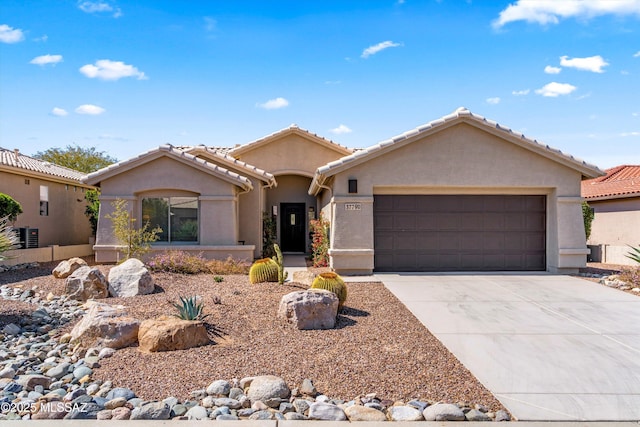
50 253
112 253
611 254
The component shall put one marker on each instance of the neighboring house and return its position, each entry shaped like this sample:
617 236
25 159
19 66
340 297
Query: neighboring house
459 193
615 200
52 198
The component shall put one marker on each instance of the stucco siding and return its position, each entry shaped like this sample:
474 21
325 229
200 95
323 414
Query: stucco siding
616 222
66 223
292 154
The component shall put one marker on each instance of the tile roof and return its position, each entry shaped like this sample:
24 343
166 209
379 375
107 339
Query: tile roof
230 161
460 114
13 158
291 129
171 151
621 181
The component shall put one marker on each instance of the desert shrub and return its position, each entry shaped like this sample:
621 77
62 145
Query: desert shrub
178 262
218 279
587 217
320 242
631 276
228 266
190 309
137 241
8 238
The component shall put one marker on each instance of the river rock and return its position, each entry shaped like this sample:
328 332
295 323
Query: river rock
129 279
310 309
267 387
443 412
219 388
364 413
67 267
151 411
404 413
326 412
86 283
476 415
197 413
167 333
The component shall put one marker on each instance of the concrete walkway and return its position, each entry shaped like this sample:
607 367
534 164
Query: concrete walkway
548 347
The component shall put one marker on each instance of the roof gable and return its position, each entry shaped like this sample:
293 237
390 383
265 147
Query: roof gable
461 115
14 159
620 181
293 129
173 153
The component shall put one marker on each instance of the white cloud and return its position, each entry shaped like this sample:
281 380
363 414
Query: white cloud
46 59
210 24
493 101
105 69
274 104
552 70
44 38
341 130
332 82
545 12
591 63
99 7
520 92
60 112
90 109
624 134
10 35
372 50
554 89
637 54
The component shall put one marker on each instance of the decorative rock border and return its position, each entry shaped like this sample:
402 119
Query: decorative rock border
612 281
41 378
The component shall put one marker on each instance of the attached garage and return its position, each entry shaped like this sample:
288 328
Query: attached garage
461 193
459 232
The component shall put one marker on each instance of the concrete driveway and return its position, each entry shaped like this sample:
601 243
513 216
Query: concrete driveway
548 347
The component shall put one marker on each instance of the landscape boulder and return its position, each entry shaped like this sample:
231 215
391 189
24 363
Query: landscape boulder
310 309
443 412
67 267
129 279
86 283
267 387
167 333
105 325
304 277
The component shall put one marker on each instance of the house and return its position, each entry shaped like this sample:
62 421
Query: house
52 199
459 193
615 200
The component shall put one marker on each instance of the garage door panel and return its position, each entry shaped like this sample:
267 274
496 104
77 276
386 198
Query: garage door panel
459 233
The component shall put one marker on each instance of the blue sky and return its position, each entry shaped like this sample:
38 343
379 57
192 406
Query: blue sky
126 76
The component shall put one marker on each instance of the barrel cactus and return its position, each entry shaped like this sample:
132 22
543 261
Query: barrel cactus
263 270
334 283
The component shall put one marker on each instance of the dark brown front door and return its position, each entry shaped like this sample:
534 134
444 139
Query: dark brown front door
459 233
292 227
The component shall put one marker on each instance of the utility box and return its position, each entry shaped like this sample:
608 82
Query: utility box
28 238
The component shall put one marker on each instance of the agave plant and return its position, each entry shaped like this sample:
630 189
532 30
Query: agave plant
190 309
634 254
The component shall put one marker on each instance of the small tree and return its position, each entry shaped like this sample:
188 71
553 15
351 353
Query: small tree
587 216
92 211
81 159
320 242
137 241
9 208
8 238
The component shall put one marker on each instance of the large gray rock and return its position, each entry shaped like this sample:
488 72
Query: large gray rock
219 388
443 412
475 415
310 309
404 413
86 283
105 325
129 279
151 411
326 412
364 413
67 267
267 387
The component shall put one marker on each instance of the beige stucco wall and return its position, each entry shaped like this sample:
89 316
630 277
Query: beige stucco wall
616 226
66 223
291 154
459 160
166 177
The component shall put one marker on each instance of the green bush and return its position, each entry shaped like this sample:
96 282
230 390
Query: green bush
190 309
218 279
9 207
320 242
587 217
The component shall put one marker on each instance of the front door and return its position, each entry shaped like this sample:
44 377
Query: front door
292 227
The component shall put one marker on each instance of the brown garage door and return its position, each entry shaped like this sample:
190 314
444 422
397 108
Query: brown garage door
459 233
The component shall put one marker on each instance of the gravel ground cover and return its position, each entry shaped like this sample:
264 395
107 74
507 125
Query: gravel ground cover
378 346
